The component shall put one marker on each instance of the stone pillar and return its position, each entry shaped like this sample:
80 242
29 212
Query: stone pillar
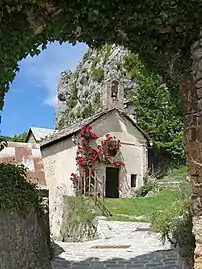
191 92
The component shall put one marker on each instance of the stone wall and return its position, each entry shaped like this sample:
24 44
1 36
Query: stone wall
78 226
24 242
191 92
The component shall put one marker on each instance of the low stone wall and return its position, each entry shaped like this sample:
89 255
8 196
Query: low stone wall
77 219
24 241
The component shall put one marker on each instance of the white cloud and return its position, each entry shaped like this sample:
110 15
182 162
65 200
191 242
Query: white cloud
44 70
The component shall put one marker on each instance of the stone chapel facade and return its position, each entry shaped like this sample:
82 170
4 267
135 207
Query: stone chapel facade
59 152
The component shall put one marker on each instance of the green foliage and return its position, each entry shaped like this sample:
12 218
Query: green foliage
17 194
87 112
143 190
96 60
97 100
62 122
77 114
119 65
19 138
77 218
175 222
73 97
158 110
176 174
86 57
160 31
5 138
98 74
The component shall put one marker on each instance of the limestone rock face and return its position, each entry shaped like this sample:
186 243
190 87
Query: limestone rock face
24 242
80 93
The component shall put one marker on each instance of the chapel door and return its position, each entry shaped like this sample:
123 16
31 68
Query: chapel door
112 182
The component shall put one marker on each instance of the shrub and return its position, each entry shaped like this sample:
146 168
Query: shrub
77 218
142 191
175 223
16 193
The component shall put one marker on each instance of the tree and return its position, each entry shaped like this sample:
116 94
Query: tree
158 112
166 35
19 138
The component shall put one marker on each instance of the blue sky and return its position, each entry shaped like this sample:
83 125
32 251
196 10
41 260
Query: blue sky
31 99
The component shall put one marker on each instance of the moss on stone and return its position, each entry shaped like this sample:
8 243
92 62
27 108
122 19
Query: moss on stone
77 115
119 65
97 100
17 194
87 112
72 101
94 63
77 218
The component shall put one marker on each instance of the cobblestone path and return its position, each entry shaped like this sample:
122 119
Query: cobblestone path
130 246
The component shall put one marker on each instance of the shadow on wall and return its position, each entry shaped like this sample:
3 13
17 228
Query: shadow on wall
124 183
158 259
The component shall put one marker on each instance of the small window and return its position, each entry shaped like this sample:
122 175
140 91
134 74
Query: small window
133 181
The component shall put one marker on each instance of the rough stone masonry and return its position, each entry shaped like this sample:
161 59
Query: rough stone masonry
191 91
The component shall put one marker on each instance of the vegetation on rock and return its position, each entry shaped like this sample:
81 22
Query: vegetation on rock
98 74
77 218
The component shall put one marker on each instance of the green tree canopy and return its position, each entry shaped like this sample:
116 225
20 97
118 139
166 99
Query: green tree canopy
158 110
19 138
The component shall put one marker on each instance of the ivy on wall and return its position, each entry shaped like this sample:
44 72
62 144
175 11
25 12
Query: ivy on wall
160 31
17 194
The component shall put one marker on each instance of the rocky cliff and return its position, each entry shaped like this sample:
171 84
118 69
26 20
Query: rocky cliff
80 92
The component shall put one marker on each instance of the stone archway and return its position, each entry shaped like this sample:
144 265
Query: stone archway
161 32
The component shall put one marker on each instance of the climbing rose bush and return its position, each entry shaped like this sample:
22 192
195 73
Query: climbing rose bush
87 133
86 156
110 145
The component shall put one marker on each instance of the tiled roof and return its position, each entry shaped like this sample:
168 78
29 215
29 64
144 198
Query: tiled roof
30 156
70 130
39 133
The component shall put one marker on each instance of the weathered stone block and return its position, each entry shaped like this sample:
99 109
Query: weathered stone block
199 93
24 242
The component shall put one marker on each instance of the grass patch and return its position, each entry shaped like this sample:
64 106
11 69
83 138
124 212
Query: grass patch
127 219
176 174
141 206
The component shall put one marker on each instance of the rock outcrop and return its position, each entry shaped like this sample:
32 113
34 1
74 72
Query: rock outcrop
80 92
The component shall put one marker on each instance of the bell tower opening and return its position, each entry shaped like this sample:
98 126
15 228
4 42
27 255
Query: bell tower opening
113 95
